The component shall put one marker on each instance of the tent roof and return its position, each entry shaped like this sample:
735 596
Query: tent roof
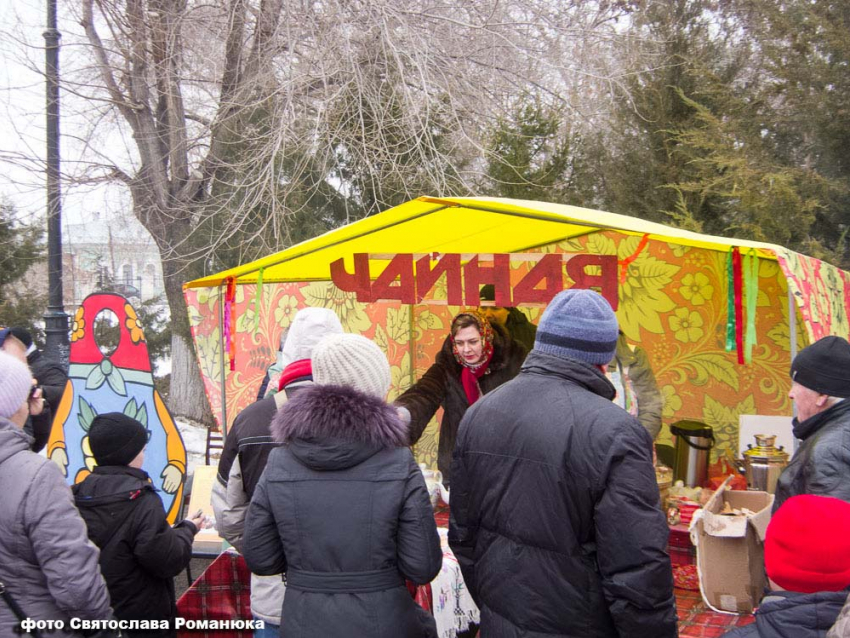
457 225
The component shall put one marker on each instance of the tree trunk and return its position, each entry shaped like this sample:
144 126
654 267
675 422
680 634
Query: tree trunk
187 397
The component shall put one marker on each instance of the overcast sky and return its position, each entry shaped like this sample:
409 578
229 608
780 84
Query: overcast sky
22 119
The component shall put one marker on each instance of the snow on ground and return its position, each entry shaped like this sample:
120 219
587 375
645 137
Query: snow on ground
195 440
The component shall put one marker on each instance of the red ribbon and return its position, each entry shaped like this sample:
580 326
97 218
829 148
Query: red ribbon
625 263
738 279
229 341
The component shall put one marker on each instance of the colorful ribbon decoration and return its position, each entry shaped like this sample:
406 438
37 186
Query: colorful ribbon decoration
737 276
625 263
229 341
730 305
751 286
257 299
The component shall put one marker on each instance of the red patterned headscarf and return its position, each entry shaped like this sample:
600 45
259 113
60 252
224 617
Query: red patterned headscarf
471 373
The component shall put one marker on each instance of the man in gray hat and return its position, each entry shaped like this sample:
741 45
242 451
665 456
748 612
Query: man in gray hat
820 381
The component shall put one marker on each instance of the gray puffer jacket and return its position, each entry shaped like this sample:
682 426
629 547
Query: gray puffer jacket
342 511
785 614
821 465
46 559
555 512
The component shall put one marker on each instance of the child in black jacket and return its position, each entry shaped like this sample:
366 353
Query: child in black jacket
140 553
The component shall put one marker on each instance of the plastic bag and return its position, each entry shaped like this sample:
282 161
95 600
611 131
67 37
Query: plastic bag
722 468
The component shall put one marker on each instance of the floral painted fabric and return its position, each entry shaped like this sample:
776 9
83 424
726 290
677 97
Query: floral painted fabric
673 302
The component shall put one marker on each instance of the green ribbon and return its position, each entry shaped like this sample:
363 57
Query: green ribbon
751 289
730 304
257 299
106 372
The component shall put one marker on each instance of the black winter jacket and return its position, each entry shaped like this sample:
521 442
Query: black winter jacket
521 329
785 614
441 386
250 440
821 465
342 510
51 377
140 553
555 511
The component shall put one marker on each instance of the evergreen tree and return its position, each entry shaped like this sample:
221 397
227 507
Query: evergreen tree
21 302
805 56
533 155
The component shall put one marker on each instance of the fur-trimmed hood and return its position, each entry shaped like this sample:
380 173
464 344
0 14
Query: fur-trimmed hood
340 413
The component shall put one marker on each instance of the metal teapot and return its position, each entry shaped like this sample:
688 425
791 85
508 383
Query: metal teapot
764 463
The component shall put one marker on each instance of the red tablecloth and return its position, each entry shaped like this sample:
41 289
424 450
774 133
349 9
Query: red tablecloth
222 592
695 619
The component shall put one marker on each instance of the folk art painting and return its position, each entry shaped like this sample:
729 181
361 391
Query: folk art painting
116 381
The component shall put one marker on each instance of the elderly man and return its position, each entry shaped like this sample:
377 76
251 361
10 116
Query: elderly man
820 381
555 512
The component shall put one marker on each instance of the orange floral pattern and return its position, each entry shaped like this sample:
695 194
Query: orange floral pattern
673 303
137 334
78 328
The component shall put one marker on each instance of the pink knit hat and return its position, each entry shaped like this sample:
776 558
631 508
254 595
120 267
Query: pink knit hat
15 384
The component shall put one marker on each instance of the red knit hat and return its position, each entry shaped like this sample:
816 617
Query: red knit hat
807 546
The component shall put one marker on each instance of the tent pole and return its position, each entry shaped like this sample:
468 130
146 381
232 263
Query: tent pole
411 344
412 347
792 331
221 296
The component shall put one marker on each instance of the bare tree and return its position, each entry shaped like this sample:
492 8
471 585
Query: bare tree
249 123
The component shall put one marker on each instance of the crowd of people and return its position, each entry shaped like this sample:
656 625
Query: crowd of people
555 515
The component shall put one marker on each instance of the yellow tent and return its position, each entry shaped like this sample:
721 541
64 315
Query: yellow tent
672 291
457 225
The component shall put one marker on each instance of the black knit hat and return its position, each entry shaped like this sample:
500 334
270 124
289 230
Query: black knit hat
488 292
22 334
116 439
824 367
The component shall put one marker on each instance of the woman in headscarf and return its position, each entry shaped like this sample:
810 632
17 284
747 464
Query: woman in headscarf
341 508
476 358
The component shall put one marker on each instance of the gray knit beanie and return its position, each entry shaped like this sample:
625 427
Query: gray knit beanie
15 384
578 324
354 361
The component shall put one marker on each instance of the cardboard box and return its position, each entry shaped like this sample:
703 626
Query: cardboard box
730 550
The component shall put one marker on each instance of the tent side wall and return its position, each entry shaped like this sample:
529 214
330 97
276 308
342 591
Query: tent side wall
673 303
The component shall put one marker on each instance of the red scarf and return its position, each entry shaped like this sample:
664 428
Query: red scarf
469 379
295 370
470 374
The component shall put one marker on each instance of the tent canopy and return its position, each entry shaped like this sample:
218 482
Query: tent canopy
457 225
673 301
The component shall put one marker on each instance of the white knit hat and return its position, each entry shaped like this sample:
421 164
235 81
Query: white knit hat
354 361
308 328
15 384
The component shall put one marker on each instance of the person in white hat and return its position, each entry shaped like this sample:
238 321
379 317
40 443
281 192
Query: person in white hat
342 509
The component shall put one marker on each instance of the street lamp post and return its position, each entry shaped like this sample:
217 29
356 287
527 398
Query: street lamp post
55 319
